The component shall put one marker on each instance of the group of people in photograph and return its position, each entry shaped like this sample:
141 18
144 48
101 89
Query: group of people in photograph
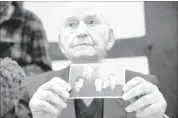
98 87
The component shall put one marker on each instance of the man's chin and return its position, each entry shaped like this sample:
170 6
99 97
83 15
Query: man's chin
86 58
85 55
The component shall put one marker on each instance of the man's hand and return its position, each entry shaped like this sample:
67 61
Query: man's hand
50 99
145 98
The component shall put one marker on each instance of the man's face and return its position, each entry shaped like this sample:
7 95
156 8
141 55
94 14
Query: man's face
87 71
4 5
98 84
79 83
84 34
112 80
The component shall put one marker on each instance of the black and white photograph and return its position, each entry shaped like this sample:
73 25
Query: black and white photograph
88 59
100 80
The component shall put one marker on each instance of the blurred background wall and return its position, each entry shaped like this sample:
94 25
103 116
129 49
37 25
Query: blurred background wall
161 39
152 48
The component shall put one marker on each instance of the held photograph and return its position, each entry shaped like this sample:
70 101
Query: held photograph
101 80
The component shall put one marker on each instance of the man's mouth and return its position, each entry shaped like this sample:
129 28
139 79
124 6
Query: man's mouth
83 44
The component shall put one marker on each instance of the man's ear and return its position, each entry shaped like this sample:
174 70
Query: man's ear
111 39
60 44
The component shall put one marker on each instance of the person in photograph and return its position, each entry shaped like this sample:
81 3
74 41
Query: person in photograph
89 81
87 72
99 87
78 85
85 36
113 89
88 88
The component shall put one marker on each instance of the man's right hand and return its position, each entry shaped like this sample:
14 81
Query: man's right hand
50 99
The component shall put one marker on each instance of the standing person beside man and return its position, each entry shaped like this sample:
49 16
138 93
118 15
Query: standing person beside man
98 87
113 89
87 72
78 86
85 37
23 38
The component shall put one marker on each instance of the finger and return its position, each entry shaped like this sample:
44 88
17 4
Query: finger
140 89
61 82
155 109
55 81
56 89
133 82
41 105
143 101
53 98
132 100
61 91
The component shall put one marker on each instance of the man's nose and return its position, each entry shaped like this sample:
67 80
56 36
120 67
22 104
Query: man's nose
82 35
82 31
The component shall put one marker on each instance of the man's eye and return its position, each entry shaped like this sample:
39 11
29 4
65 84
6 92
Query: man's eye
92 22
72 25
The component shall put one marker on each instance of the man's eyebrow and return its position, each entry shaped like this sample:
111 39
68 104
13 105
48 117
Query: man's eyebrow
70 18
92 16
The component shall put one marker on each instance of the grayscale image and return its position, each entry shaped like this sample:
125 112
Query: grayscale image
88 59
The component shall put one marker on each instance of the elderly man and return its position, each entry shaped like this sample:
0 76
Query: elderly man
85 37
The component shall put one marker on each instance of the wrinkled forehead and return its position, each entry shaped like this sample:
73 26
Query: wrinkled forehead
82 9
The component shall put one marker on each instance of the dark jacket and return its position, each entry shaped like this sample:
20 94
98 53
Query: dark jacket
88 85
117 91
113 108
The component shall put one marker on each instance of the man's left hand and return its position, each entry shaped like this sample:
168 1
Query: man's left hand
145 98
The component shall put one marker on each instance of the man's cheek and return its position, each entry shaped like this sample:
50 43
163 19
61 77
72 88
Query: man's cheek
103 31
67 41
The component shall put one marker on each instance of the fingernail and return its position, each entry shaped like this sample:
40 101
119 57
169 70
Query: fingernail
137 115
68 95
123 89
124 97
128 109
65 105
69 88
